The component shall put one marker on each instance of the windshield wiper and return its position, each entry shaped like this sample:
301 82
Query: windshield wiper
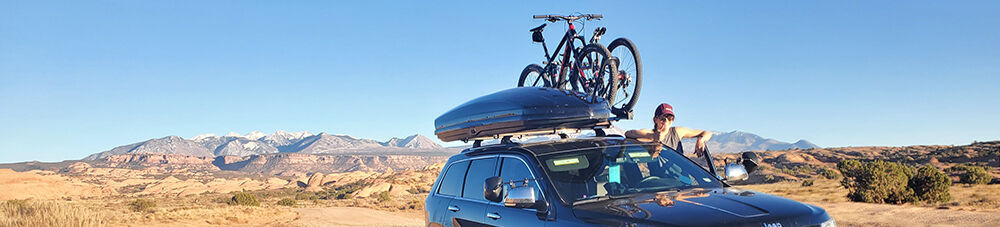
599 198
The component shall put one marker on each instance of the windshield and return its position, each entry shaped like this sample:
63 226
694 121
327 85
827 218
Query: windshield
591 173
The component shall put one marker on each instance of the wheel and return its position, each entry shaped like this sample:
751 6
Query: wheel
532 76
593 70
625 56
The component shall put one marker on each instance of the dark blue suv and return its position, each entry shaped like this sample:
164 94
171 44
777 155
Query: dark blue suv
604 180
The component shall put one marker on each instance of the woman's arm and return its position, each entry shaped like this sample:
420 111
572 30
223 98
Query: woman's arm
702 135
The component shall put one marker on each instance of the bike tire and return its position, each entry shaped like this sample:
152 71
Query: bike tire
596 67
630 65
532 74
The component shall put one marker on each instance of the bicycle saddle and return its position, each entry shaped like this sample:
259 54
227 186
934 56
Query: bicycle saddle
538 29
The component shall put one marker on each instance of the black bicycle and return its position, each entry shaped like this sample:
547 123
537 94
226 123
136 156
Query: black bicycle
584 67
589 71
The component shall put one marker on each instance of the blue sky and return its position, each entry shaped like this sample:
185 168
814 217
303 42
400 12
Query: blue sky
83 77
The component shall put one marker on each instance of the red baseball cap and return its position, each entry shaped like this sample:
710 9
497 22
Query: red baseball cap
664 109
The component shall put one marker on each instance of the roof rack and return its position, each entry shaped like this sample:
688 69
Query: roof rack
563 133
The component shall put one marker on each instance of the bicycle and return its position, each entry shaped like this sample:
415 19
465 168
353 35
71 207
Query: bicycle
589 68
629 78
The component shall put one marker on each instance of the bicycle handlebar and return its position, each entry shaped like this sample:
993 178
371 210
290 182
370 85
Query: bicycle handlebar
559 17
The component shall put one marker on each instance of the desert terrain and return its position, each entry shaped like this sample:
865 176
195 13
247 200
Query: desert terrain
135 191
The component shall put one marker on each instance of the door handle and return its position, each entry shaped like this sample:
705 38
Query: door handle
493 215
453 208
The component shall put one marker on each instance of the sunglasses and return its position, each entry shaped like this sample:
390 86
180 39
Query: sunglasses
666 117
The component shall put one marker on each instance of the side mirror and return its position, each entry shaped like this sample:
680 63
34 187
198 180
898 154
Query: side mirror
736 172
492 189
537 37
750 161
521 197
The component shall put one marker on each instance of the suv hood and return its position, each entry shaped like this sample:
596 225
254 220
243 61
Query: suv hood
702 207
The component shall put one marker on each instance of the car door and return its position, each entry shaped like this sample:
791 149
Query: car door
449 187
515 168
469 209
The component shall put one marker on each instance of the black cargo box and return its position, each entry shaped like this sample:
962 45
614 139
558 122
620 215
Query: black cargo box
523 109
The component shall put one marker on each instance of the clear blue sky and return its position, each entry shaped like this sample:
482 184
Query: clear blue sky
83 77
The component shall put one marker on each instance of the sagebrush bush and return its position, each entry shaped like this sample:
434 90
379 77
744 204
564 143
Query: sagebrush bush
930 184
807 183
972 174
384 196
877 181
287 202
142 205
244 199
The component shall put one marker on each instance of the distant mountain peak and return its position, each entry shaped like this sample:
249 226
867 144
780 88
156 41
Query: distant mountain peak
255 135
256 142
204 136
413 141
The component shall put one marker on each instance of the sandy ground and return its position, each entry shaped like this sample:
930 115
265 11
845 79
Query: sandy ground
862 214
353 216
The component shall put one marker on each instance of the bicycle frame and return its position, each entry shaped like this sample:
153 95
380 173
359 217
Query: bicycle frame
567 40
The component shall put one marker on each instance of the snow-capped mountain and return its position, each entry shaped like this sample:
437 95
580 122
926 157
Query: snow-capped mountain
244 147
255 143
413 141
738 141
282 140
326 143
165 145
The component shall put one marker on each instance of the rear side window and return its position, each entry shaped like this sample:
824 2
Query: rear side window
476 179
452 182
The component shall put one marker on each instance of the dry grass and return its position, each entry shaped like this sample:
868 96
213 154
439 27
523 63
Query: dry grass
976 196
47 213
963 196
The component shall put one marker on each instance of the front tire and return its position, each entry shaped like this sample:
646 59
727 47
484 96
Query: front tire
629 75
533 76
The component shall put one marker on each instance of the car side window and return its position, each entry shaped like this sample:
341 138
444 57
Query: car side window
513 169
451 184
479 170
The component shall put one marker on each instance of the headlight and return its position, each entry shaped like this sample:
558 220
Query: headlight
828 223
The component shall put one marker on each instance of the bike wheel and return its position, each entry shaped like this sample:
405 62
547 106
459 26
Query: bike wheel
629 78
593 70
533 76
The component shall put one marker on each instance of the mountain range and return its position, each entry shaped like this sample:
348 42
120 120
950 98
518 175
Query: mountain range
739 141
257 143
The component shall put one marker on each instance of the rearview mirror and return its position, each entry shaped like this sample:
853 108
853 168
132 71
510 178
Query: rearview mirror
492 189
521 197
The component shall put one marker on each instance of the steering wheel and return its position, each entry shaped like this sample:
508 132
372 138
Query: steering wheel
647 180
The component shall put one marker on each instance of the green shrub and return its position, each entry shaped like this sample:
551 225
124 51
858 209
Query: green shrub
930 184
972 174
829 174
244 199
384 196
877 181
142 205
287 202
807 183
769 179
306 196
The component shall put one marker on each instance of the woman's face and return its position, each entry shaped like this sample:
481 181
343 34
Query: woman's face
662 123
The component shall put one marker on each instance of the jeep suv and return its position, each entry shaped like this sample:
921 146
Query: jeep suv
605 180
